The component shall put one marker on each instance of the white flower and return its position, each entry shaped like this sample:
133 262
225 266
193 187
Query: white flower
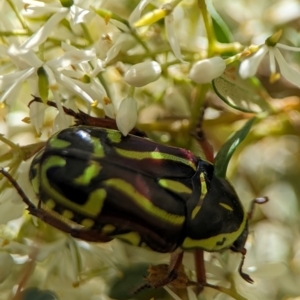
166 11
122 43
127 115
77 14
176 103
136 14
65 71
143 73
172 38
250 65
204 71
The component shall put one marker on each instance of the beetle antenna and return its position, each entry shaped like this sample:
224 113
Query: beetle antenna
259 200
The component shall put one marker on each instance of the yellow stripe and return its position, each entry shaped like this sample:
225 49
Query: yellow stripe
98 148
108 228
211 244
87 223
154 155
114 136
202 196
132 238
144 203
58 144
93 205
226 206
203 185
68 214
174 186
88 174
195 211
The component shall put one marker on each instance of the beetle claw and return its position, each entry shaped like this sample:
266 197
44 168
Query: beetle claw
246 277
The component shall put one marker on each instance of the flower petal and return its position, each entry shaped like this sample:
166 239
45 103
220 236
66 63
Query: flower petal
23 57
286 70
136 14
37 113
71 58
250 65
172 38
43 33
124 42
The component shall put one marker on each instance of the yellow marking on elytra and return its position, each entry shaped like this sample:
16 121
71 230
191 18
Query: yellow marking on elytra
68 214
174 186
58 143
202 195
35 182
154 155
226 206
98 148
114 136
108 228
140 200
89 173
92 207
88 223
132 238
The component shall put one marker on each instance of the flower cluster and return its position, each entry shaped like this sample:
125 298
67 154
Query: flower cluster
150 64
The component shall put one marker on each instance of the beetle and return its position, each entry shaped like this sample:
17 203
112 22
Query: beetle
101 185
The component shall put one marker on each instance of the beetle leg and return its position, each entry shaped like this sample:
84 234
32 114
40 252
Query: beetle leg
201 137
242 274
49 218
84 119
243 251
173 270
200 270
157 274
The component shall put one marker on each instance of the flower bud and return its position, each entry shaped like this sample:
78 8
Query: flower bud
204 71
127 115
143 73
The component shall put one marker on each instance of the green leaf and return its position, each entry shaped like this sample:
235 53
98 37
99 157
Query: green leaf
222 31
37 294
224 155
246 95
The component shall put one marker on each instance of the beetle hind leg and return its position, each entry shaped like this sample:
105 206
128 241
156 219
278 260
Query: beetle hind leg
49 218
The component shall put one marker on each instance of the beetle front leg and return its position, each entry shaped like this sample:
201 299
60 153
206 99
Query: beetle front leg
244 275
173 270
200 270
159 276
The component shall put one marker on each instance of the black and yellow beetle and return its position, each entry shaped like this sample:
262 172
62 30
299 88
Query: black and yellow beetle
103 185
